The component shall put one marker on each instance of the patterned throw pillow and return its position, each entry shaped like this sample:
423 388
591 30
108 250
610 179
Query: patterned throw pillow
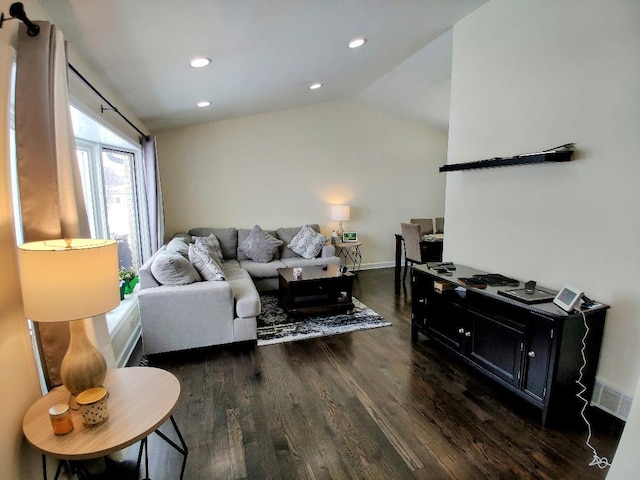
211 245
260 246
205 264
308 243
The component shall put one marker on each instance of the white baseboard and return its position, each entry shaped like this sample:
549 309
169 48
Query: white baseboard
373 266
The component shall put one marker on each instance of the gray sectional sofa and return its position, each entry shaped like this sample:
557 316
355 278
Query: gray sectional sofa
182 310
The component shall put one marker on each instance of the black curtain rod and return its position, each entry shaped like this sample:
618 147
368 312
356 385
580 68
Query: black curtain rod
111 106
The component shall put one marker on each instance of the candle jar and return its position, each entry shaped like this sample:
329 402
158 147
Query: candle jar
93 406
61 420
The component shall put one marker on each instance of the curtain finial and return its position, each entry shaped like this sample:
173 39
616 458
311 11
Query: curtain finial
16 10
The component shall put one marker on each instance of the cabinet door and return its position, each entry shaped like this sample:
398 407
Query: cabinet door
538 356
497 347
448 322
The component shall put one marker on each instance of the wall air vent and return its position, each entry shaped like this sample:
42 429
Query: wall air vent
562 153
611 400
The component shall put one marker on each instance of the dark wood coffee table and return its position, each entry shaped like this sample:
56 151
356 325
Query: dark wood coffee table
317 290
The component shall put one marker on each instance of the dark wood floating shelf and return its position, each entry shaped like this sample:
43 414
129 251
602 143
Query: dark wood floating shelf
561 154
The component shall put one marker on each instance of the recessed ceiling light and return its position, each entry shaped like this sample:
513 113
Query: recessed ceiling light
315 86
357 42
200 62
203 104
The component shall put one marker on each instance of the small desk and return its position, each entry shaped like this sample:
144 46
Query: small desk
350 252
430 250
140 400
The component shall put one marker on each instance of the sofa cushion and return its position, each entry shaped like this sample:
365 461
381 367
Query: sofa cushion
227 237
287 234
233 270
178 245
171 268
205 264
262 270
304 262
210 245
260 245
308 243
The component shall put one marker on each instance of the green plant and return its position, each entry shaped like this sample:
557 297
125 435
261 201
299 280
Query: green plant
127 274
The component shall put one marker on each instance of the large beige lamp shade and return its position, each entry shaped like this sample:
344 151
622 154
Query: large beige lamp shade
340 213
70 280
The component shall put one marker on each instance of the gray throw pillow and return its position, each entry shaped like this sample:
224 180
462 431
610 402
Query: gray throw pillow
308 243
183 236
178 245
205 264
260 246
171 268
211 245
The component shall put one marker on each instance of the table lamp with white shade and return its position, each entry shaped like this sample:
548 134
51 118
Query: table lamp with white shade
71 280
340 213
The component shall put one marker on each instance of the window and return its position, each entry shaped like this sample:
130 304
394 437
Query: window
117 167
109 187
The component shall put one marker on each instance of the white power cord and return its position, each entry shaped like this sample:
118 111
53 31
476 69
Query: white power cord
600 462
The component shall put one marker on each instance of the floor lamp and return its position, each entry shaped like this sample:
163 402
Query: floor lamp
71 280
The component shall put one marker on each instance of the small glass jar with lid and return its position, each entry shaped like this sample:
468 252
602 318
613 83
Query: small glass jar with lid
61 420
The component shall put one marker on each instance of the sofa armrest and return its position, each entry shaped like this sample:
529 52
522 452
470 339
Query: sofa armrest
147 280
169 305
186 316
328 251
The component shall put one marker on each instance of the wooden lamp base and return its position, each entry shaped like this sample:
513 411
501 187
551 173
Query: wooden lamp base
83 366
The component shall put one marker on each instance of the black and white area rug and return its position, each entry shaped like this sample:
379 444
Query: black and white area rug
275 327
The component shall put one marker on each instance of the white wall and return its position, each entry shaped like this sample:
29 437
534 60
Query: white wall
531 75
569 72
286 168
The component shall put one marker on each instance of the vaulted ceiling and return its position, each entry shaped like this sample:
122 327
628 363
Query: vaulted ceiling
265 54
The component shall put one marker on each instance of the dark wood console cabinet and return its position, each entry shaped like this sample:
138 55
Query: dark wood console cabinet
535 351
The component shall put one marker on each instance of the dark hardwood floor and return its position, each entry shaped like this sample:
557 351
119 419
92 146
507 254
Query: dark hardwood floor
365 405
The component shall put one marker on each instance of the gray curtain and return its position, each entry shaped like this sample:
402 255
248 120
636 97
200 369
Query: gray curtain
51 200
153 190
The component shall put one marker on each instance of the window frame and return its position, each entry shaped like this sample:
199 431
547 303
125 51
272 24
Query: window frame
94 170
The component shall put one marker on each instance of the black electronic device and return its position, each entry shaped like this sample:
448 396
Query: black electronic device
471 282
447 265
496 280
440 270
529 296
568 298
